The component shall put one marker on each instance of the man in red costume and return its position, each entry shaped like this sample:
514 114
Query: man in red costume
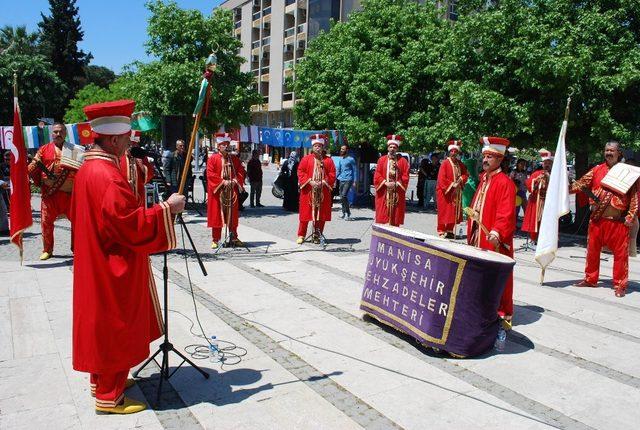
316 177
537 185
452 178
391 180
225 182
55 182
612 214
137 171
113 237
493 223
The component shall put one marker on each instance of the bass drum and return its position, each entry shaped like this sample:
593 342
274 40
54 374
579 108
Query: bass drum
277 187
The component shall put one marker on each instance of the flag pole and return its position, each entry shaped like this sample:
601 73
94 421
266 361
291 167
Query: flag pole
566 119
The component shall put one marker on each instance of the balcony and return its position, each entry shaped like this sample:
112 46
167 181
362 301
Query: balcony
238 24
266 41
266 11
256 15
302 4
289 32
302 31
290 6
255 44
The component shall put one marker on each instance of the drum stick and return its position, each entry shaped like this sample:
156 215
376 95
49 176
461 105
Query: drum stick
471 214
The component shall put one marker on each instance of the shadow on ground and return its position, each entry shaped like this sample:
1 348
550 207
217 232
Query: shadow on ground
221 388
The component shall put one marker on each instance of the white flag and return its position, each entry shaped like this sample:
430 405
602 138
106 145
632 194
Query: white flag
556 205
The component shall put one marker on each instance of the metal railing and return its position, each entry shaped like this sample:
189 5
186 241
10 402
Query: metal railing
302 28
266 41
256 15
289 32
255 44
266 11
288 64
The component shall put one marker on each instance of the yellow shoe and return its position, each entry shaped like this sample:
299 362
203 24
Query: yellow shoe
130 383
300 240
128 406
506 323
45 256
214 245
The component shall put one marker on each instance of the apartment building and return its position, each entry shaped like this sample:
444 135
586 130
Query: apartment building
274 36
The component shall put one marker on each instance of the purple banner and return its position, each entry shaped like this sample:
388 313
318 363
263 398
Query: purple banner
444 294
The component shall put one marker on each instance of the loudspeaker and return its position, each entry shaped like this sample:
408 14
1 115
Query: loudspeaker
173 128
368 154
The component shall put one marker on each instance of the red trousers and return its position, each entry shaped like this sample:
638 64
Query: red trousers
108 388
615 236
51 208
216 233
302 227
506 301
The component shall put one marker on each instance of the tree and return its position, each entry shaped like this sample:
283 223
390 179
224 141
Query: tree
92 93
373 75
15 40
99 75
60 34
508 68
182 40
38 85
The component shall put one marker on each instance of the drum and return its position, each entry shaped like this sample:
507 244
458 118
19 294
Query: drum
442 293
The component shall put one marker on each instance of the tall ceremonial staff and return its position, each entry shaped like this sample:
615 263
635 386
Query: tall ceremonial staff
556 202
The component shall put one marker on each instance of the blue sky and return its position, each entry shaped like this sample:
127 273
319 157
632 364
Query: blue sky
114 30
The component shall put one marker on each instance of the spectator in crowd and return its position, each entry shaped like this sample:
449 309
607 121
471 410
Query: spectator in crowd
289 171
346 173
175 167
519 177
254 172
422 177
431 180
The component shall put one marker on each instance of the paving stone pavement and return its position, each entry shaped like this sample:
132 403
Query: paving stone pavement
311 360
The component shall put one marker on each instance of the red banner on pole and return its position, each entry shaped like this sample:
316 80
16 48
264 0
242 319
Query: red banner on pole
20 211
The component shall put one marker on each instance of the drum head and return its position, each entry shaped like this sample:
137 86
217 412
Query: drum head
446 245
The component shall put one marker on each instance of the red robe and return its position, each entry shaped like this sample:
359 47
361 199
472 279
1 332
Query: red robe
495 204
537 185
605 230
138 172
305 176
448 198
215 216
402 182
56 193
113 237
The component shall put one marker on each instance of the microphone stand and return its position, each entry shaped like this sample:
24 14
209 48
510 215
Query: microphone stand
166 346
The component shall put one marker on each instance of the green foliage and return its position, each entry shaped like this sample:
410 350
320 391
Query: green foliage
60 34
369 76
17 40
504 68
38 85
99 75
509 69
94 94
182 40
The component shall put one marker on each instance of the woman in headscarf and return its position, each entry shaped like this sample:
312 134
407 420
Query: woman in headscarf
291 192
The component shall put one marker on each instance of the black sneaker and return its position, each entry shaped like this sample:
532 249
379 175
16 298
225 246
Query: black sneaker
259 205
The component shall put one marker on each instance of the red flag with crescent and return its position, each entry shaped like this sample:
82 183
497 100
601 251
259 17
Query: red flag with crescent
20 211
